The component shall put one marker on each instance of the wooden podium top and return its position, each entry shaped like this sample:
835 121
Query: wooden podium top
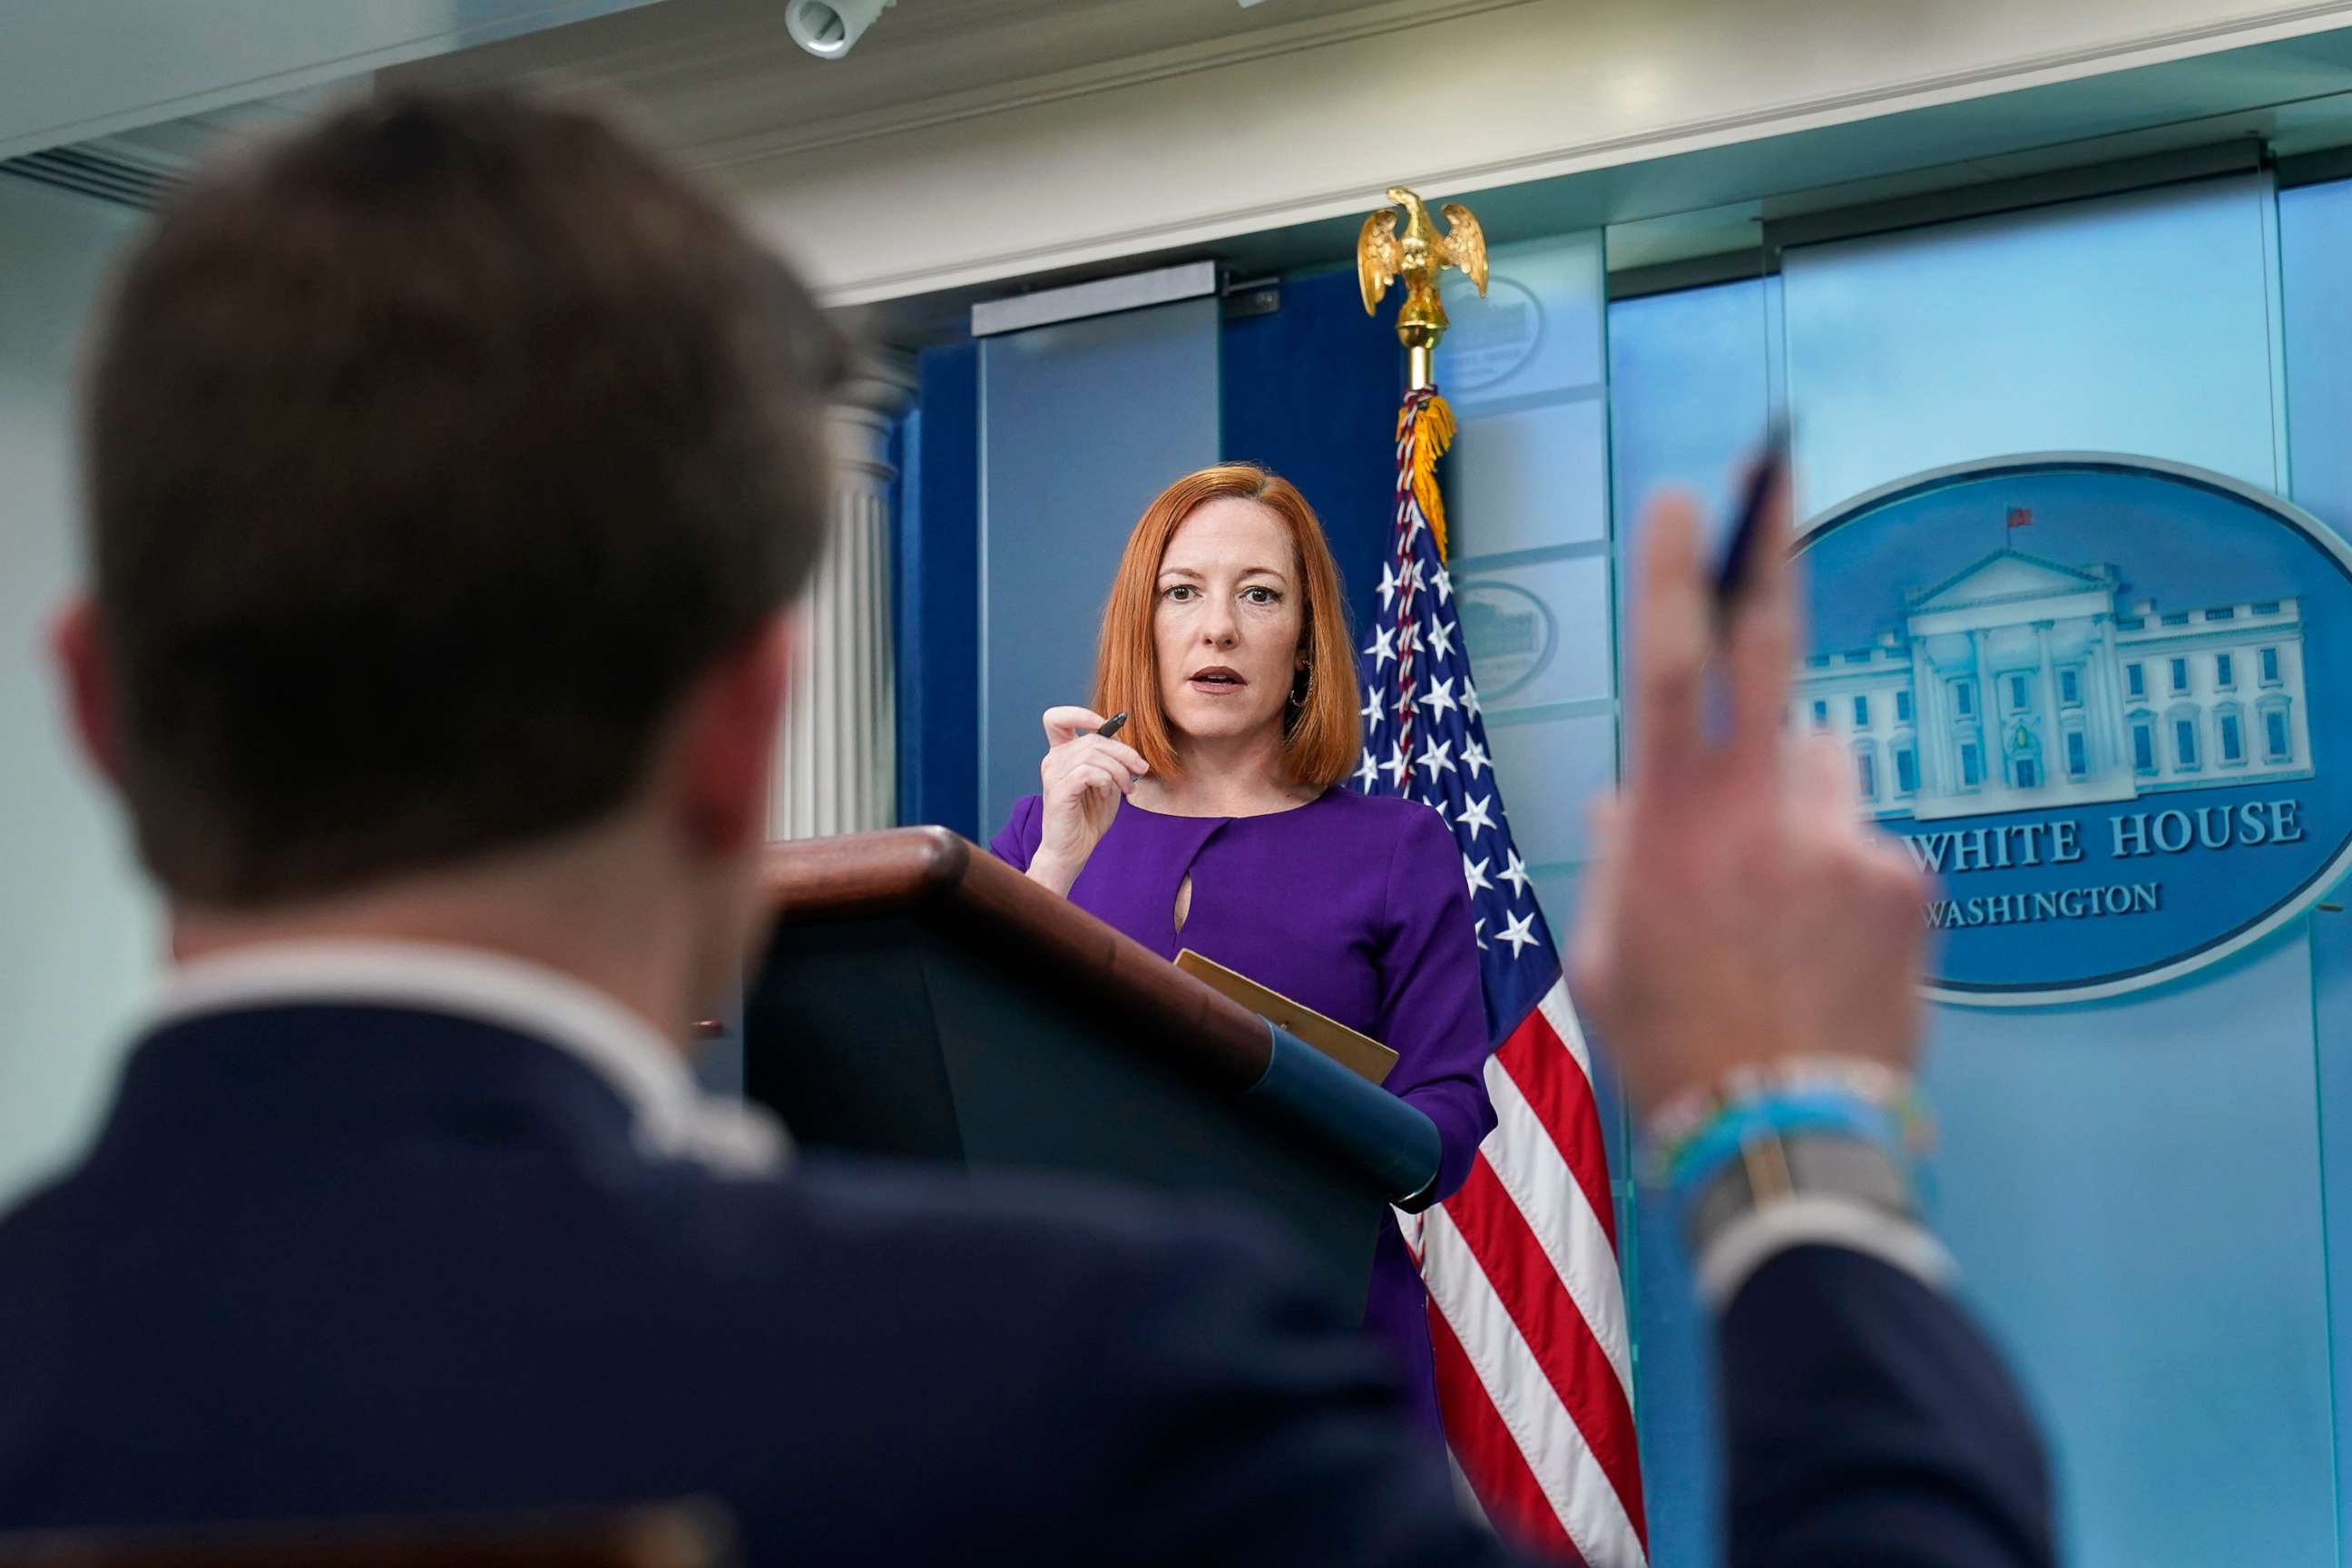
841 903
946 883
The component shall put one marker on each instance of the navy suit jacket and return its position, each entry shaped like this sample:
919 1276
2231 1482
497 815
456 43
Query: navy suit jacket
337 1260
1868 1422
332 1260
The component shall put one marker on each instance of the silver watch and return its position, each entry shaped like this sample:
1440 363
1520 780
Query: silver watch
1773 1165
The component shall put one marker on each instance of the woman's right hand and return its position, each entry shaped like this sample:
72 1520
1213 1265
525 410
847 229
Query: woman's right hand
1085 775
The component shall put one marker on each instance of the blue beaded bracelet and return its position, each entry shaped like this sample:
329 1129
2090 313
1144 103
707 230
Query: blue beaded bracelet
1722 1138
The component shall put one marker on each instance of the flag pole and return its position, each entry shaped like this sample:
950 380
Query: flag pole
1533 1382
1419 255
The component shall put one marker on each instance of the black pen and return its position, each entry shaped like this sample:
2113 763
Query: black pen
1112 725
1739 555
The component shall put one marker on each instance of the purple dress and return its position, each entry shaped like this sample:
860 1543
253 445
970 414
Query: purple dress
1356 907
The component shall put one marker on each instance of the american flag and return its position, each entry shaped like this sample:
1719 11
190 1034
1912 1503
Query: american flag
1527 1305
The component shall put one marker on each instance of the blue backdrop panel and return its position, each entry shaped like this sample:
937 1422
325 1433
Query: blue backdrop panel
1081 424
2315 250
1527 545
2136 323
937 595
2314 237
1688 386
2132 1188
2331 988
1311 391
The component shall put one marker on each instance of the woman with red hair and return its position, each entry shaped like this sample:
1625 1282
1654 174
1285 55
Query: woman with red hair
1216 820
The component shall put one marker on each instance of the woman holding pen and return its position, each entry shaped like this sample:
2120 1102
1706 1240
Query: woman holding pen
1213 816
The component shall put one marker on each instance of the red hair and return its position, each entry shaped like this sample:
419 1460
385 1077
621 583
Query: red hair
1321 737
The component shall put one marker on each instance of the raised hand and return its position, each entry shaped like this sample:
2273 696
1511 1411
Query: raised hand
1742 914
1085 776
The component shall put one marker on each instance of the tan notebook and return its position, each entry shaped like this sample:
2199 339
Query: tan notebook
1360 1054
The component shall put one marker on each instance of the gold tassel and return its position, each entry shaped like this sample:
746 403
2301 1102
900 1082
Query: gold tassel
1433 433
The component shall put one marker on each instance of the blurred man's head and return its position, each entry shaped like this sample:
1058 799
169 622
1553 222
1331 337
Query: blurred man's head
449 467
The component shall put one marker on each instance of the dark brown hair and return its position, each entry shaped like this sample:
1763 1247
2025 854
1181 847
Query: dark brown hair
431 453
1322 736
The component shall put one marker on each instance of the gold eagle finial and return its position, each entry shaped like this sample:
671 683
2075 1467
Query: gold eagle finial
1418 256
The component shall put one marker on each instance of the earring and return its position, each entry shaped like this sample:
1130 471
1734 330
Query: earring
1300 690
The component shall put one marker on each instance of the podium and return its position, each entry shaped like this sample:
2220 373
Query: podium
922 999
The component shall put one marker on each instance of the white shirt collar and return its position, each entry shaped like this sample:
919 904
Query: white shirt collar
674 1117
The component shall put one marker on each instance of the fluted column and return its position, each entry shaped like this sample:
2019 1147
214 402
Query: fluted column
837 756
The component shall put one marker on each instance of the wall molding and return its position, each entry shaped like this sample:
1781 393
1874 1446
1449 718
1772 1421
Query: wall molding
2025 70
1086 81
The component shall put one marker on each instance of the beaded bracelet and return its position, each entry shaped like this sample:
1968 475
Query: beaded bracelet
1740 1123
1691 1136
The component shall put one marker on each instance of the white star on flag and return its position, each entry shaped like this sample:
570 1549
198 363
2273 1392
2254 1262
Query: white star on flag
1396 766
1371 714
1478 932
1518 931
1473 757
1515 873
1469 697
1444 583
1439 698
1474 818
1369 774
1437 757
1475 875
1441 638
1381 649
1388 583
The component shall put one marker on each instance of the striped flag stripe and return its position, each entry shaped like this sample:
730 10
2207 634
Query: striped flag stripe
1562 1221
1538 1061
1584 1497
1559 1340
1484 1443
1560 1011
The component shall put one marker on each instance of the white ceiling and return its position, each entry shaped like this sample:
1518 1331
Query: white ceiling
715 72
721 81
72 70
